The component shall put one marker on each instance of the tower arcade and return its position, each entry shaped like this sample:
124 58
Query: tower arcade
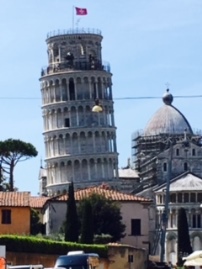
80 145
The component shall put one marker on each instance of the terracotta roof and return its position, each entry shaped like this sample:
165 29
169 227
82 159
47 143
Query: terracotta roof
105 191
15 199
38 202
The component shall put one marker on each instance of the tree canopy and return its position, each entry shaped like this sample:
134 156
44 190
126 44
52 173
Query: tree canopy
13 151
36 225
106 214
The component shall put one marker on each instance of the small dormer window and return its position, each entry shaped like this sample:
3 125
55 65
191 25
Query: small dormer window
193 152
177 152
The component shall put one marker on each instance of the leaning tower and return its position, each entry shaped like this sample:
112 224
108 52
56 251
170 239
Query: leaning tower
80 145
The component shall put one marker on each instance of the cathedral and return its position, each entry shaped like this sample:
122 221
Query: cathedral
168 158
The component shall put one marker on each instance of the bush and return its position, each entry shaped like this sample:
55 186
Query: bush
31 244
102 239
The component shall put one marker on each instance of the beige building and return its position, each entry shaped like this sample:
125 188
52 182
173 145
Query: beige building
134 212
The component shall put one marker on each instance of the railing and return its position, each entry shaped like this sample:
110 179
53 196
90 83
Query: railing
58 67
73 31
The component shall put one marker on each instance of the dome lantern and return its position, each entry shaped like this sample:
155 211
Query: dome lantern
168 98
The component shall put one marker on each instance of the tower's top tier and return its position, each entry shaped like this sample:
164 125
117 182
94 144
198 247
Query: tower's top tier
75 48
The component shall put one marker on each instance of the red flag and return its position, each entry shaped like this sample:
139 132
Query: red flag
81 11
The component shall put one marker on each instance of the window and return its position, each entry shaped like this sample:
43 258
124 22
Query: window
193 152
173 198
186 197
164 167
160 199
67 124
185 167
199 197
193 198
196 221
6 216
179 197
135 227
177 152
130 258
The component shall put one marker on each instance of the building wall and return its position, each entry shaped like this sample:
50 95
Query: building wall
192 156
117 258
20 221
131 211
55 216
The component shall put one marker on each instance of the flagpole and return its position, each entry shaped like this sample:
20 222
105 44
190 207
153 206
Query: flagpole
73 17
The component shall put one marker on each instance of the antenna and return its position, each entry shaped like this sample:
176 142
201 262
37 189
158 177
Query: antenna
167 85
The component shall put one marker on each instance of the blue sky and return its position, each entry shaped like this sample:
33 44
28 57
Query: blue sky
148 43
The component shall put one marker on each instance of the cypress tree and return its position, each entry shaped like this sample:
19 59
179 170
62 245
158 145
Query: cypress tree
107 217
184 245
87 223
71 224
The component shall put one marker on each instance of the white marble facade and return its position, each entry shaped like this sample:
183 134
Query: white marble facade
80 145
186 192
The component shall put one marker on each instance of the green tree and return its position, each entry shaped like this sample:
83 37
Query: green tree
71 223
13 151
87 223
36 225
107 217
184 245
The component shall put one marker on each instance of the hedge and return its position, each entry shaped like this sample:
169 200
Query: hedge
31 244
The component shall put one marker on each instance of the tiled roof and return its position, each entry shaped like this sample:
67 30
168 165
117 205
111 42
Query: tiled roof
15 199
184 182
38 202
187 182
108 193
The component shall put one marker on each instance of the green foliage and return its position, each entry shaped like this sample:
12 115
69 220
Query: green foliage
107 217
36 225
87 224
102 238
32 244
11 152
71 223
184 245
53 236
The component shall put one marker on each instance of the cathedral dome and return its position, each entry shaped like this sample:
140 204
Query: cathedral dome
167 120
